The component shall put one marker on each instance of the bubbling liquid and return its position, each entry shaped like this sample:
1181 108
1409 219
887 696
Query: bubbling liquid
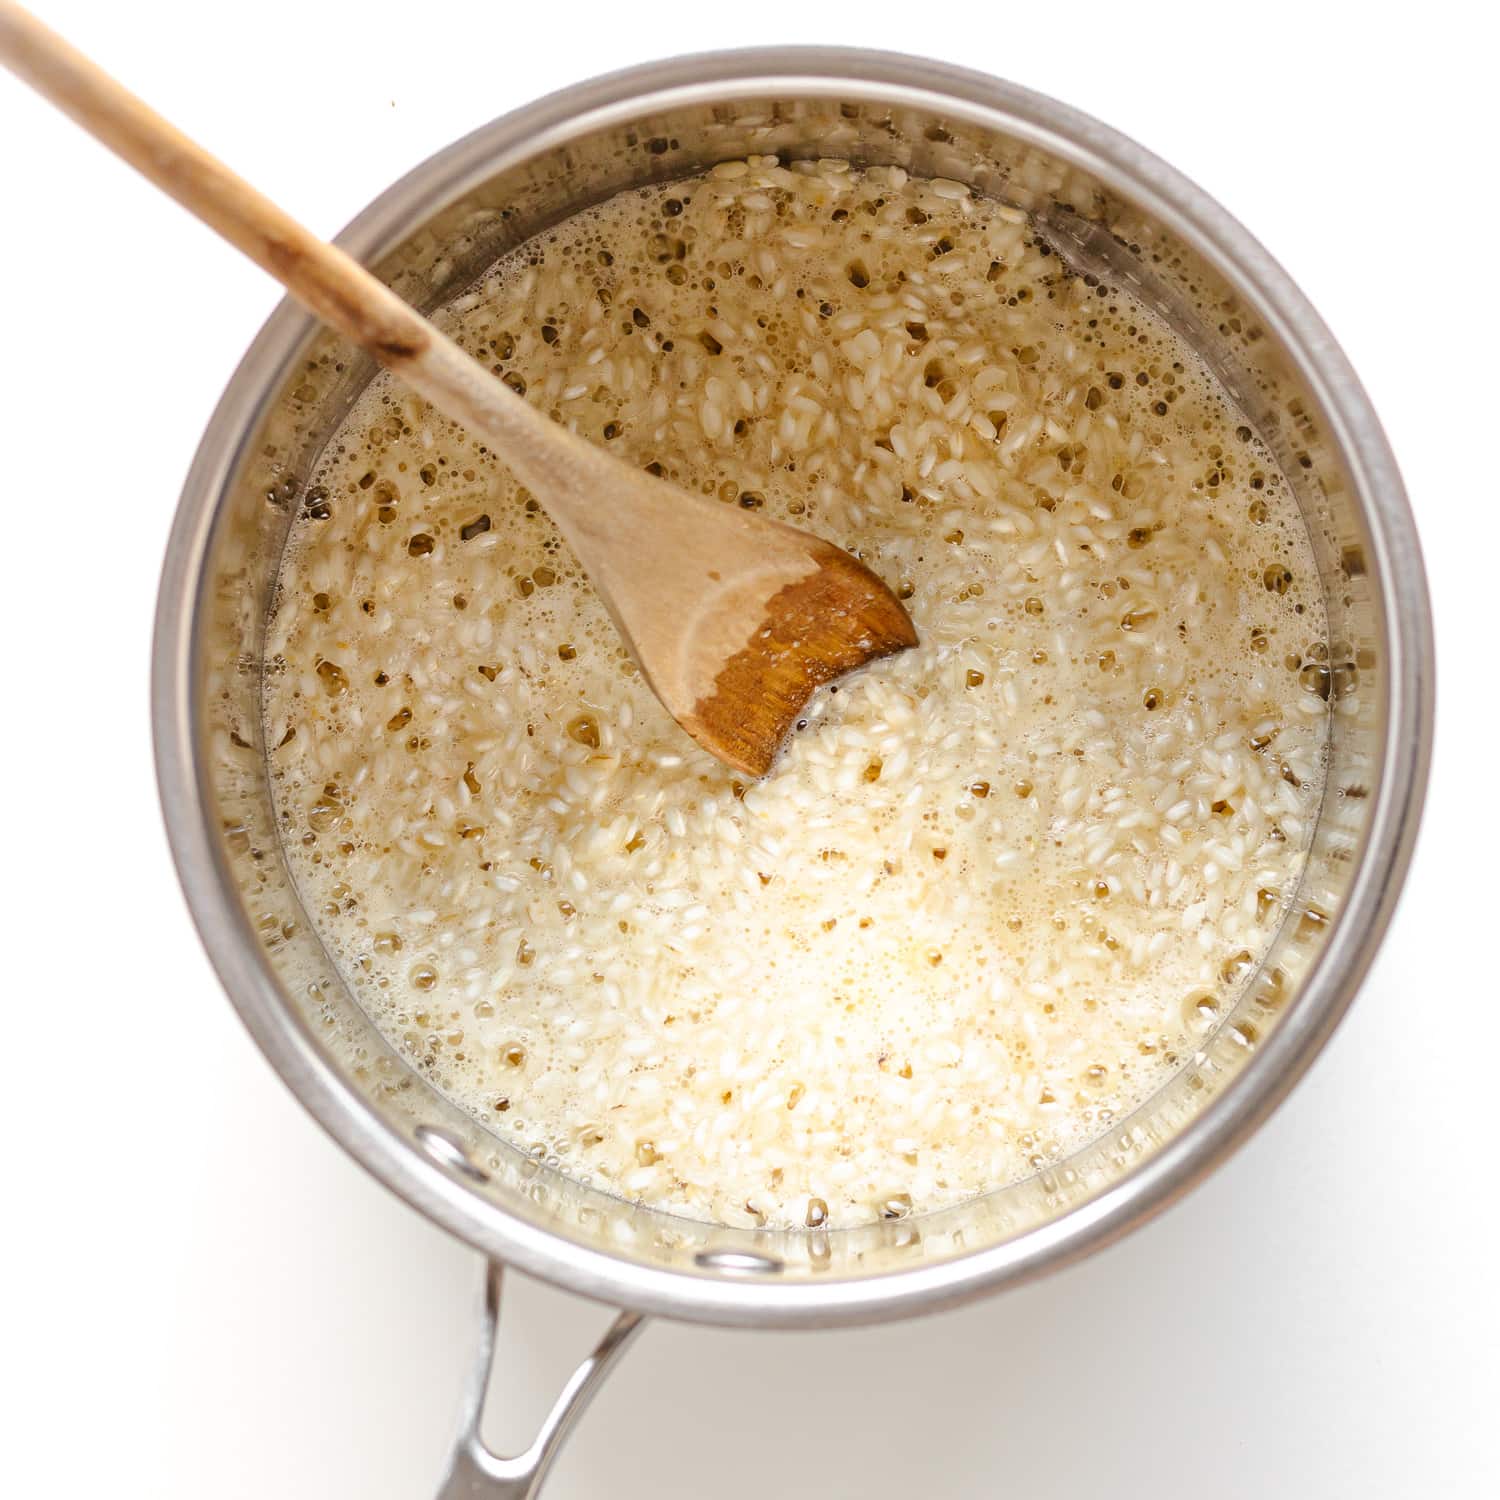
994 890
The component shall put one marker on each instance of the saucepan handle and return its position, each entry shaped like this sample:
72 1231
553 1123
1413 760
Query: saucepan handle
475 1473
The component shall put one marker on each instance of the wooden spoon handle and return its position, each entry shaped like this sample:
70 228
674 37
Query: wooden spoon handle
322 277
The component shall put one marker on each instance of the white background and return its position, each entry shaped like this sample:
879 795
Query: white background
206 1299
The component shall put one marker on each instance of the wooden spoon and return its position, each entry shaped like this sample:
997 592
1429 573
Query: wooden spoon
735 619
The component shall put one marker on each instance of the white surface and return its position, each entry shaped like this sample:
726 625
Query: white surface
211 1300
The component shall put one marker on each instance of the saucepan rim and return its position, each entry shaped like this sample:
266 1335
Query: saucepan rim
1394 565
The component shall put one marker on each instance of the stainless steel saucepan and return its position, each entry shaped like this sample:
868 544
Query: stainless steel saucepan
1104 203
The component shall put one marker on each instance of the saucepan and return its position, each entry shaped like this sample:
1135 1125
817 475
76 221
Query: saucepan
1104 203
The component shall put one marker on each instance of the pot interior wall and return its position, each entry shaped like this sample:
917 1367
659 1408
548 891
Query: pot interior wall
477 213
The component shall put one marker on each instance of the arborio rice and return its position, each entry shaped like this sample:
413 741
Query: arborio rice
994 889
